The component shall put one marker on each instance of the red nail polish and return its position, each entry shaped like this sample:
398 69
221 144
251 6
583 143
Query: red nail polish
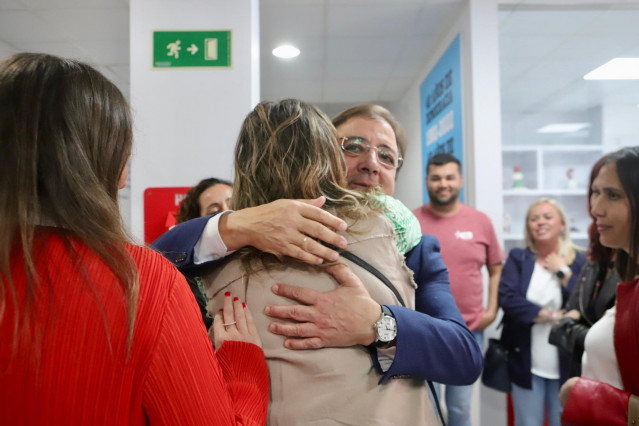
221 310
228 293
236 298
243 305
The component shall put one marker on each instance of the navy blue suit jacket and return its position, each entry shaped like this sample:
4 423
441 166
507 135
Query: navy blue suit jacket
433 341
519 312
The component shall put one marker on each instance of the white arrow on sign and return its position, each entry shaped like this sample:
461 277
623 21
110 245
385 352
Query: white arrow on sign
193 49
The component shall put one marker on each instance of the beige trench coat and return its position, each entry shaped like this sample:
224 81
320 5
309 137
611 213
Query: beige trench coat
330 386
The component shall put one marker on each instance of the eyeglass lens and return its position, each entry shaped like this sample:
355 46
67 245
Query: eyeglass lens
361 146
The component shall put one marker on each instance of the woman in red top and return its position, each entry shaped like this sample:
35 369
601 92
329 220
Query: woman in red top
608 392
95 330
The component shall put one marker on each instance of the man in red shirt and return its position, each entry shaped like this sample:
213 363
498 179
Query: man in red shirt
468 242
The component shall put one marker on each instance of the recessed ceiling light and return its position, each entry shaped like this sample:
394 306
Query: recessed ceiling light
286 51
616 69
563 127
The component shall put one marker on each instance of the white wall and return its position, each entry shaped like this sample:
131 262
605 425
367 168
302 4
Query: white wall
620 126
187 119
477 23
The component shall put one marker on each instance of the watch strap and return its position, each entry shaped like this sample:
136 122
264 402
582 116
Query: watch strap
386 312
561 274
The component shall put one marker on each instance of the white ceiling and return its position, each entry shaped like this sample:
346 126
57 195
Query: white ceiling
96 31
366 50
544 55
353 51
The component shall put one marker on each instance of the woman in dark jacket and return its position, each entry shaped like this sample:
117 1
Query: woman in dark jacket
608 391
593 294
534 286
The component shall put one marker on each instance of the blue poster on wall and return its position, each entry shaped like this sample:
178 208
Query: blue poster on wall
441 110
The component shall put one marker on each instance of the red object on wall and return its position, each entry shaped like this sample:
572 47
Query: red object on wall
160 207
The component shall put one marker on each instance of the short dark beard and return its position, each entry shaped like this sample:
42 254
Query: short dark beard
451 200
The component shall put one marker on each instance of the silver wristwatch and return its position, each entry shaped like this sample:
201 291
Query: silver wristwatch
386 327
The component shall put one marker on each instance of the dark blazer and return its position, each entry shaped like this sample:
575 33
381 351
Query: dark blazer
519 312
432 343
178 244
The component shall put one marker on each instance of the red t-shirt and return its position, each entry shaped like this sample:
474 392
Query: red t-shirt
70 366
468 242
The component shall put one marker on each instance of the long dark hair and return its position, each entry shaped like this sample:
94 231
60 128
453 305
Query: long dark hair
65 138
626 161
190 206
597 252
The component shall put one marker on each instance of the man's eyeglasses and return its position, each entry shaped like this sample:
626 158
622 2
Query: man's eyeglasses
356 145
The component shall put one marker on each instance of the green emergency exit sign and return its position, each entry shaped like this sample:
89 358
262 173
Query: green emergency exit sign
191 49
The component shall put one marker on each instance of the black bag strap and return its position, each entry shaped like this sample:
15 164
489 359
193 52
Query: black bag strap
370 268
431 387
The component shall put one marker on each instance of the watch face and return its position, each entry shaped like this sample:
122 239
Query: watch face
386 329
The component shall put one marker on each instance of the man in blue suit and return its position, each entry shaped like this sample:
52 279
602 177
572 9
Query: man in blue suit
432 342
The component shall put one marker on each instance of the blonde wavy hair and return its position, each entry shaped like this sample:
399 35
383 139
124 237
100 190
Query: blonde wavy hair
567 249
289 149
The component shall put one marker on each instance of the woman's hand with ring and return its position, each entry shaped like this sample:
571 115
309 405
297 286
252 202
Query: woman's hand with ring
234 322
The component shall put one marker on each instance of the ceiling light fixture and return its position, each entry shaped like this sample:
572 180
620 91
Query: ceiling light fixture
563 127
286 51
616 69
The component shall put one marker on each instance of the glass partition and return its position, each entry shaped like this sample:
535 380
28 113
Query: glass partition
556 124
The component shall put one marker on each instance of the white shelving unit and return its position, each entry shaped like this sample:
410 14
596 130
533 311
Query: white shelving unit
556 171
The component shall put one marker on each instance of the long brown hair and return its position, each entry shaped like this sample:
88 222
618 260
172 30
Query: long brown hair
626 161
289 149
65 138
597 252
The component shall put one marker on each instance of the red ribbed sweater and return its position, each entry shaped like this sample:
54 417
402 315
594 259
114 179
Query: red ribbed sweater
73 369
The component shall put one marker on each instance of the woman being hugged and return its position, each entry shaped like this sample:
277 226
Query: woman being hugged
608 391
534 285
95 330
289 149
